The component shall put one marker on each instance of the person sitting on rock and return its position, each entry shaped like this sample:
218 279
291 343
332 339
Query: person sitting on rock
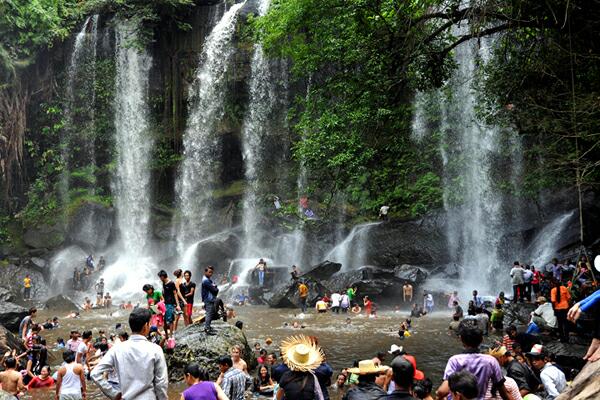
543 316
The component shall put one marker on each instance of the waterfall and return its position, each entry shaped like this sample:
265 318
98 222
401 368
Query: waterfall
544 246
202 148
258 130
77 141
352 250
133 141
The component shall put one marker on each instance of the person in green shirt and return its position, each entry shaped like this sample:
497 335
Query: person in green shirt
153 297
497 318
351 292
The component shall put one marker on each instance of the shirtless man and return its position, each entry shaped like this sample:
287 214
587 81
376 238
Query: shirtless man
238 363
10 379
407 291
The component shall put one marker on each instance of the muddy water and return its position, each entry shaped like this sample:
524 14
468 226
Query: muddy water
343 343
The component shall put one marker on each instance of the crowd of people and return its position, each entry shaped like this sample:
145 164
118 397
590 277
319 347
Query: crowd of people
124 365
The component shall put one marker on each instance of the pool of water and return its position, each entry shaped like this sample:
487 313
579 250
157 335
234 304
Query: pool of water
342 342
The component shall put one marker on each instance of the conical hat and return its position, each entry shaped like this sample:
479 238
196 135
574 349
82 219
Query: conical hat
301 354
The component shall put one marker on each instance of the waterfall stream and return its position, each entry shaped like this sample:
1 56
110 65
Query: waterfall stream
77 140
132 186
202 147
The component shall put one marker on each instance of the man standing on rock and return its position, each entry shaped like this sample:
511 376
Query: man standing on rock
303 293
139 364
209 298
518 282
170 295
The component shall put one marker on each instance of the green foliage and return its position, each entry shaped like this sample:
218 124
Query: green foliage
354 123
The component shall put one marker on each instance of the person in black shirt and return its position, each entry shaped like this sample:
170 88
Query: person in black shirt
170 295
188 290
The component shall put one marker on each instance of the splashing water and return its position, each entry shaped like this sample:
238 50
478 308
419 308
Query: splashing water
352 250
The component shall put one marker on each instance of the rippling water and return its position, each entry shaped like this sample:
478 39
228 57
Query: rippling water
343 343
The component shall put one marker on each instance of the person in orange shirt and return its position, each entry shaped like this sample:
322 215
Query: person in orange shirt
560 297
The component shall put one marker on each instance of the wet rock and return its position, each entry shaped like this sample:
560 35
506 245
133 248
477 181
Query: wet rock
11 315
568 355
9 341
217 250
518 314
6 295
37 263
44 236
287 296
12 277
586 386
414 242
90 226
323 271
380 284
60 303
410 273
193 345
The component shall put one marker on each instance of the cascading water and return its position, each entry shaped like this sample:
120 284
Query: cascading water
77 141
134 145
268 95
544 246
352 250
478 211
201 141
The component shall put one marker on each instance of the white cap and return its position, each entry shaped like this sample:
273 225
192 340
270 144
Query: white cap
394 349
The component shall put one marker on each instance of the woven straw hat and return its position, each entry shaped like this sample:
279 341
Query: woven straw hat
367 367
301 354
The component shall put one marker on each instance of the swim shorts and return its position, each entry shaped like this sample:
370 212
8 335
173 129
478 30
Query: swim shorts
170 314
188 309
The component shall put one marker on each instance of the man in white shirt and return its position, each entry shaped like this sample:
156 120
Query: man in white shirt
552 378
543 316
139 364
518 282
336 298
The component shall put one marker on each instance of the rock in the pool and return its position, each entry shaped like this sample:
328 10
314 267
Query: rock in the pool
195 346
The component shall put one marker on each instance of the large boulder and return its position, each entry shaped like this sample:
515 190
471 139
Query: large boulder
193 345
44 236
323 271
415 242
586 386
90 226
410 273
286 296
518 314
217 250
60 303
11 315
6 295
380 284
8 342
12 276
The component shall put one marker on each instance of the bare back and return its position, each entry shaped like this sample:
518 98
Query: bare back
12 381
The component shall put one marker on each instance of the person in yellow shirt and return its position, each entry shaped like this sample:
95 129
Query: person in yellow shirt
27 287
303 293
321 306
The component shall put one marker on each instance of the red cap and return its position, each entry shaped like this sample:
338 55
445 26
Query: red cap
419 375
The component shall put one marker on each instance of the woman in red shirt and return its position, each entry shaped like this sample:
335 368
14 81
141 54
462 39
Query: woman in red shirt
560 297
535 281
43 381
368 305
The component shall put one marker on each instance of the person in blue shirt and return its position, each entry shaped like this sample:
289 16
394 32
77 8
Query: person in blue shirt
209 297
590 304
